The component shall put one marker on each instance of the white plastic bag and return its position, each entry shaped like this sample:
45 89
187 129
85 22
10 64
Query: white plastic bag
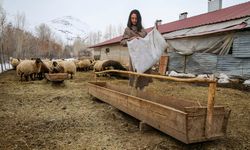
145 52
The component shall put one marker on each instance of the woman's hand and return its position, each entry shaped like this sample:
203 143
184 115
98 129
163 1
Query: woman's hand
134 37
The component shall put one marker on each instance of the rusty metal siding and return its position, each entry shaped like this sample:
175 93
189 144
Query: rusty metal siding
176 62
234 67
200 63
241 45
204 63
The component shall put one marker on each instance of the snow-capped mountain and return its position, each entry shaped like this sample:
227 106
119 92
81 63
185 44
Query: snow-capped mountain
68 28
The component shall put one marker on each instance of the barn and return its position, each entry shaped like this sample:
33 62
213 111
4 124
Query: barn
214 42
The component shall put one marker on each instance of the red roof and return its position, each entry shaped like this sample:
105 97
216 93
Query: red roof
226 14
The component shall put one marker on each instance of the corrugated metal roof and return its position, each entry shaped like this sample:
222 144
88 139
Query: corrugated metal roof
226 14
241 45
229 13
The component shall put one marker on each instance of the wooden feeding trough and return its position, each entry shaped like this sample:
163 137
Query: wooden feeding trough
184 120
56 77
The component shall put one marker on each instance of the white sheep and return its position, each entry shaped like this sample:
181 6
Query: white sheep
14 62
98 65
29 68
76 61
84 65
69 67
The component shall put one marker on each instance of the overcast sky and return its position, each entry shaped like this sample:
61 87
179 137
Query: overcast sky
100 13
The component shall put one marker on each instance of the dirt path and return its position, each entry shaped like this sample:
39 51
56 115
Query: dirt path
38 115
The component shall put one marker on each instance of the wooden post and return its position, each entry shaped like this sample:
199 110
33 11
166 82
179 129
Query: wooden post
163 65
210 109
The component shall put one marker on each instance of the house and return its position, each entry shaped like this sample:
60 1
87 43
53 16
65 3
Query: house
213 42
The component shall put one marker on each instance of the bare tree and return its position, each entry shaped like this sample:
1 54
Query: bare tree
9 45
2 24
94 38
77 46
113 31
120 29
19 32
109 32
44 35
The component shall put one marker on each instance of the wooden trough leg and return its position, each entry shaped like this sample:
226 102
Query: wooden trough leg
144 127
210 109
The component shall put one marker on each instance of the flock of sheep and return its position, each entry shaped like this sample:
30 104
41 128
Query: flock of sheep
36 68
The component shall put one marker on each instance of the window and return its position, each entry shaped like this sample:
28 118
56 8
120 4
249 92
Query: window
107 50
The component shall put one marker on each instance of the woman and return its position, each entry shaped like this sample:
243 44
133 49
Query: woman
135 30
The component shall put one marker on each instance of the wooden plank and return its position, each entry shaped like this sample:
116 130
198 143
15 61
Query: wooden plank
202 111
196 126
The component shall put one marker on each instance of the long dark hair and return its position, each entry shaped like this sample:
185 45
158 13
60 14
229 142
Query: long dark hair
138 25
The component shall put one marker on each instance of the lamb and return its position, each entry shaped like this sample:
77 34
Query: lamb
14 62
28 68
69 67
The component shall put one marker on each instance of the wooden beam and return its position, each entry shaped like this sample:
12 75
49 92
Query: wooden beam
191 80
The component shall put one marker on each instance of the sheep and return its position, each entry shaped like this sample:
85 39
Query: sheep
28 68
98 65
93 62
76 63
84 65
44 69
49 64
14 62
108 64
56 68
69 67
112 64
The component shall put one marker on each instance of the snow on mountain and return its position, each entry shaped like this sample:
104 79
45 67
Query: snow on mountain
68 28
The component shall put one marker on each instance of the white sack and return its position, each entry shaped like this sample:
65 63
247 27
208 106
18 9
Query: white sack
145 52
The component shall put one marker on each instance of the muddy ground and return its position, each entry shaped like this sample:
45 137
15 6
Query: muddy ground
39 115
